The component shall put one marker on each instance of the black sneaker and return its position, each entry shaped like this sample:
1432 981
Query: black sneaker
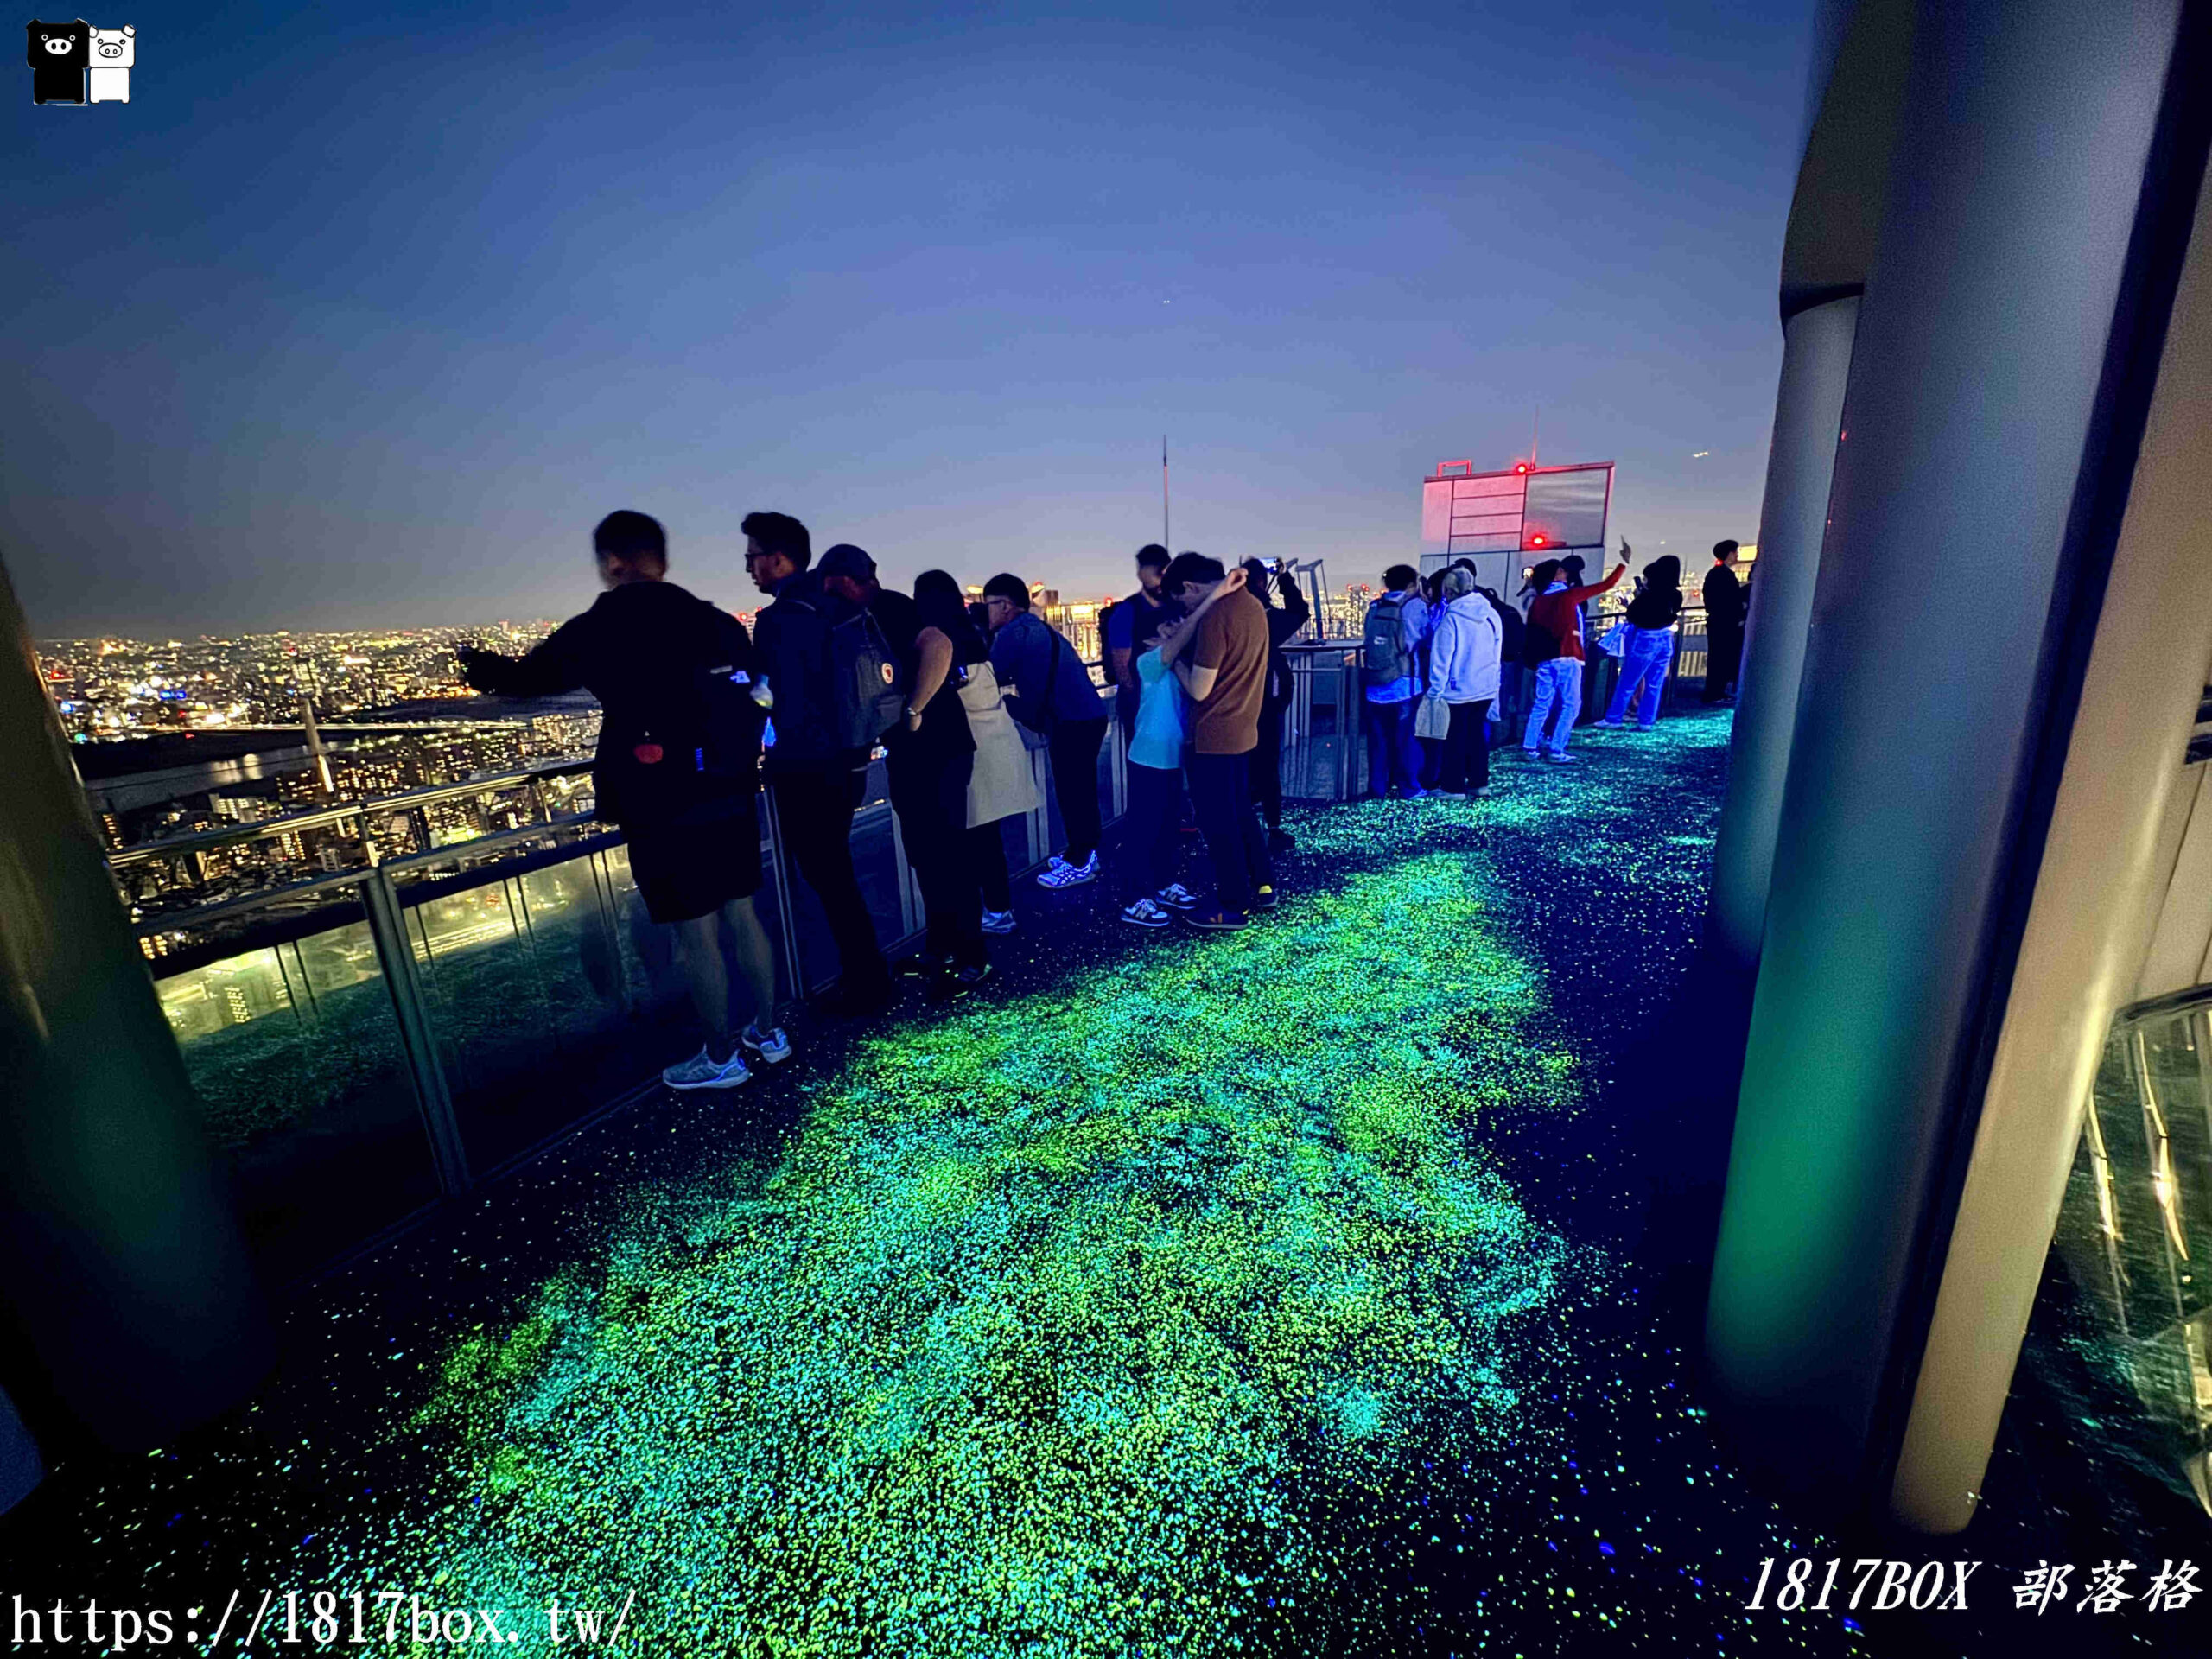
1280 841
1264 899
954 984
1214 919
917 967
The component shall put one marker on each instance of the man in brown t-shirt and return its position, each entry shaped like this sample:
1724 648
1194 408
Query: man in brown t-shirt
1226 677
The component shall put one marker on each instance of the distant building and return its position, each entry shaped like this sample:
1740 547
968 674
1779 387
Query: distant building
1505 521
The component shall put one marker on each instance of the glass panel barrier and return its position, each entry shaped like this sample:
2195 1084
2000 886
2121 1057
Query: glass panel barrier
293 1051
1321 721
533 998
2123 1327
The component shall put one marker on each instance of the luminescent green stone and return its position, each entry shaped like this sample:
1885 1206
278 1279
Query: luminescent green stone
1068 1323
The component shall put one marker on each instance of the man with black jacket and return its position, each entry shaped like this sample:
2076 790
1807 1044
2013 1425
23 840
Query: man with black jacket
677 768
814 783
1132 628
1724 625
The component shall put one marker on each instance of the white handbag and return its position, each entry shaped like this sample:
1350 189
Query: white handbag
1432 719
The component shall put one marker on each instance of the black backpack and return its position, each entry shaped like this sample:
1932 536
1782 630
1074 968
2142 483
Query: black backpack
867 686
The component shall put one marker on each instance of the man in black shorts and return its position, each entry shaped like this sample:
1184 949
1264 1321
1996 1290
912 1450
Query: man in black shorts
678 767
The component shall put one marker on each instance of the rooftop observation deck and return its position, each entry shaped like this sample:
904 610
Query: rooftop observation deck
1326 1288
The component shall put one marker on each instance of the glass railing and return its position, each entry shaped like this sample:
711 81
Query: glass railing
2124 1326
295 1050
365 1041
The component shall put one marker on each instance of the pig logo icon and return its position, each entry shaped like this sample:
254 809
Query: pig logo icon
109 76
59 54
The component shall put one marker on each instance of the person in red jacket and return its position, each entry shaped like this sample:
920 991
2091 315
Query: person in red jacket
1554 647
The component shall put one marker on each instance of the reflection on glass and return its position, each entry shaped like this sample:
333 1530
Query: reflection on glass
2136 1230
535 1018
1568 509
294 1052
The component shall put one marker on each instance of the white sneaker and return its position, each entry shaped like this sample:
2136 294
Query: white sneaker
772 1046
1176 896
1145 913
702 1071
1061 874
1563 756
998 921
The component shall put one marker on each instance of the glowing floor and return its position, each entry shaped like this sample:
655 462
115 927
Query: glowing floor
1278 1292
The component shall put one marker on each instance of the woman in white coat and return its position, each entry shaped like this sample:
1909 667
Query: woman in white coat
1463 651
1003 783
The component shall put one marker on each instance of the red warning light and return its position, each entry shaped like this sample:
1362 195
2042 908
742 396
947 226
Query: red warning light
1535 541
1521 467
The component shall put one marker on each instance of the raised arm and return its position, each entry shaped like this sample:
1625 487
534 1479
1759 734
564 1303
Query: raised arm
1576 595
1199 680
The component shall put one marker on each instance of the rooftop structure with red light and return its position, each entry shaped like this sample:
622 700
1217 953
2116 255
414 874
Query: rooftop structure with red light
1506 520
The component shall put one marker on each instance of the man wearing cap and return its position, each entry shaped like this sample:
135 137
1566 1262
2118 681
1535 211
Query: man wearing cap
816 783
929 754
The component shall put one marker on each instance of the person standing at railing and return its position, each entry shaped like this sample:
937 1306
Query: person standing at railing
1284 620
1151 895
1428 738
1003 782
1397 625
1056 704
677 769
929 755
1512 677
1649 649
1132 625
1724 624
1464 648
1553 643
817 774
1225 674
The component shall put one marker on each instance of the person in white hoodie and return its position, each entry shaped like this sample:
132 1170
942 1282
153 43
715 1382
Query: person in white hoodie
1464 651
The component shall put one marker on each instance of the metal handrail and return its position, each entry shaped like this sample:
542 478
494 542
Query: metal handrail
320 816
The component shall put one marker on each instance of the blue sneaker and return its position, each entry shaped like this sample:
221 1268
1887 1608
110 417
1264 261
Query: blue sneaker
702 1071
1061 874
772 1046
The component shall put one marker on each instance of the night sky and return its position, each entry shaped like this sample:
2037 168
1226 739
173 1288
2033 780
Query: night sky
355 321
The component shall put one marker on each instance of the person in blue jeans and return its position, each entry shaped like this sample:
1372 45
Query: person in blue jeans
1555 639
1396 627
1151 837
1648 651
